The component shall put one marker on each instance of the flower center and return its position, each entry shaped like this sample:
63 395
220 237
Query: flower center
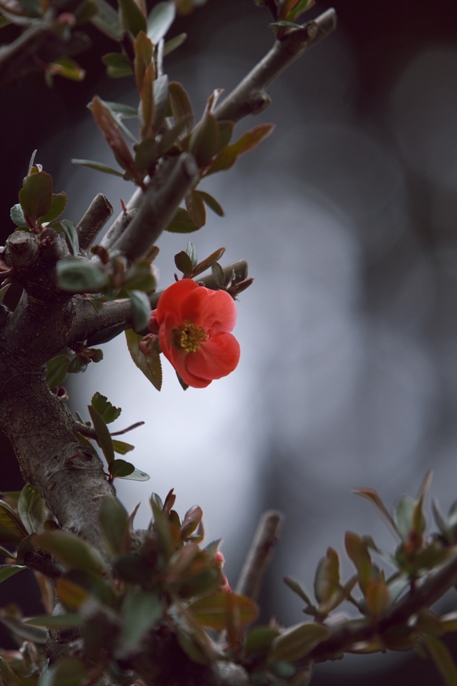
189 336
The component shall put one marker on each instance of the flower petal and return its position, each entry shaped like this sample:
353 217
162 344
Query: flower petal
215 311
172 299
217 357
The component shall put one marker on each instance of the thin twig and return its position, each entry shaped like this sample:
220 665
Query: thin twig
85 430
94 219
260 554
250 96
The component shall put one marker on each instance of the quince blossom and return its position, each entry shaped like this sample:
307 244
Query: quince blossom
194 324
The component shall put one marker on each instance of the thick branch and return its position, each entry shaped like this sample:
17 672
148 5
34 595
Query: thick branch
123 219
158 205
94 219
250 96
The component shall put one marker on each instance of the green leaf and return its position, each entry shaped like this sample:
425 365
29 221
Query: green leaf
103 435
141 310
357 550
442 658
136 475
71 551
150 366
125 111
78 275
131 18
204 141
300 7
140 612
183 262
160 20
146 155
69 231
192 520
196 208
67 69
214 611
327 580
139 277
121 447
12 531
8 677
180 104
56 371
229 155
99 166
298 641
181 222
296 588
106 20
225 132
169 137
374 498
120 468
85 11
65 621
160 100
211 202
259 640
67 672
377 597
105 409
29 633
10 570
35 196
17 215
31 508
114 522
118 66
174 43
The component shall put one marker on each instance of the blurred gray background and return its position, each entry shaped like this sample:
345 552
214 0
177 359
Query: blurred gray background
347 216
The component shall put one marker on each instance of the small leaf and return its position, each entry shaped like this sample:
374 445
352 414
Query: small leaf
160 19
296 588
56 371
183 262
146 155
140 612
71 594
106 20
204 141
12 531
160 100
139 277
259 640
114 522
28 633
374 498
214 611
17 215
99 166
105 409
181 222
211 202
65 621
196 208
170 137
141 310
327 580
208 262
121 447
68 69
69 231
117 65
174 43
180 104
120 468
131 18
377 597
103 436
136 475
357 550
150 366
191 521
31 508
229 155
67 672
35 196
125 111
10 570
71 551
298 641
78 275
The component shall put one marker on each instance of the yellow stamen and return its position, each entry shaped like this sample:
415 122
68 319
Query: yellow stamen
189 337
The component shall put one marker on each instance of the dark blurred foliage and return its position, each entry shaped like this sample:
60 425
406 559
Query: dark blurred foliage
382 38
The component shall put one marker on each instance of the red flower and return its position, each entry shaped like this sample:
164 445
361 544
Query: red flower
194 324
